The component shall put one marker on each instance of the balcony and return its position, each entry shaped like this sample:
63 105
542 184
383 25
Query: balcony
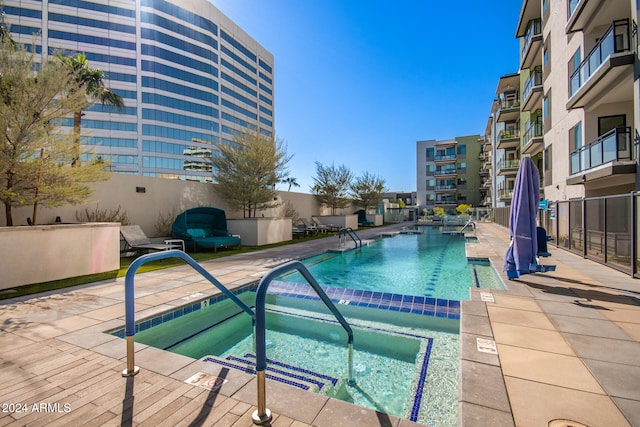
445 159
447 202
445 188
508 166
532 94
532 45
612 149
533 138
509 138
445 172
509 110
505 194
585 15
606 74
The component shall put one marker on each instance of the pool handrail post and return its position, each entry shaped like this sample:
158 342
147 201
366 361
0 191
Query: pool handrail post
129 297
262 415
348 231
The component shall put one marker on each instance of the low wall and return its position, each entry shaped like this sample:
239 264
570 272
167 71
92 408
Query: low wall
261 231
375 218
42 253
342 221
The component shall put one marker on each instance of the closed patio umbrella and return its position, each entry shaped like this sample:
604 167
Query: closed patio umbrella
522 221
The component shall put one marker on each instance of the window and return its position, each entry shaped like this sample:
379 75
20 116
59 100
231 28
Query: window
575 137
605 124
545 7
462 167
546 56
462 149
547 158
546 111
574 80
430 152
431 169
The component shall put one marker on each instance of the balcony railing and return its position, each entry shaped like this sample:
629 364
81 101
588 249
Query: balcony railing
504 193
535 27
508 164
535 79
536 130
615 40
452 201
445 187
613 145
444 158
509 134
507 104
440 172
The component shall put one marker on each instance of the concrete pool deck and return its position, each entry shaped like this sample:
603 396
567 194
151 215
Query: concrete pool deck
567 348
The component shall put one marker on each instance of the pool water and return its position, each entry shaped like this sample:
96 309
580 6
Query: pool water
429 264
401 295
407 367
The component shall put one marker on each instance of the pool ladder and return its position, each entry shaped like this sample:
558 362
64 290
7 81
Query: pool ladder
348 231
262 415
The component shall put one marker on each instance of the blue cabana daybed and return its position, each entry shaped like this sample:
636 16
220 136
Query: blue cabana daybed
204 227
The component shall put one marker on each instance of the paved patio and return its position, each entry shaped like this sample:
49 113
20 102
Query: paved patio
567 349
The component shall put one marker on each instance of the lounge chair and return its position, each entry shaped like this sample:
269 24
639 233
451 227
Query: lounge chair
136 240
328 227
320 226
308 227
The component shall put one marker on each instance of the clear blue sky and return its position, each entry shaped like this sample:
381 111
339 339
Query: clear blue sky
358 82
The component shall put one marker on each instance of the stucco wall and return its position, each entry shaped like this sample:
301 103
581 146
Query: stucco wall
51 252
161 197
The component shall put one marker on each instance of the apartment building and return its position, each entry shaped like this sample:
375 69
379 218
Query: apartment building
448 172
573 104
189 76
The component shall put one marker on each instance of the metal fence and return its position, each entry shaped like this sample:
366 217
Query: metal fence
603 229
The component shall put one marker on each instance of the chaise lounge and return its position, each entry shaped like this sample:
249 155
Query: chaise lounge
205 228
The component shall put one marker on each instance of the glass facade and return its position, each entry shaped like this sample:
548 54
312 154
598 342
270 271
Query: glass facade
185 82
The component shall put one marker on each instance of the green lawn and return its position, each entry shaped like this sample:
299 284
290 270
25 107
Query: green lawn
150 266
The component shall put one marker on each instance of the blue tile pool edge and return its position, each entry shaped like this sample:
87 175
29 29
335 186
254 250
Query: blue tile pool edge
425 306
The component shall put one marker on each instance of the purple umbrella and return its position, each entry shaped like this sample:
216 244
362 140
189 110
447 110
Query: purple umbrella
522 221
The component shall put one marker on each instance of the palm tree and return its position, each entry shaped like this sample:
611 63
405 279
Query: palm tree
92 81
291 181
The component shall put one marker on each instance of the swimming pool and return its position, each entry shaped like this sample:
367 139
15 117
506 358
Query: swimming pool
405 364
428 264
422 385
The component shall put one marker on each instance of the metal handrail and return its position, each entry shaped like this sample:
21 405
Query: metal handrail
129 297
349 231
263 415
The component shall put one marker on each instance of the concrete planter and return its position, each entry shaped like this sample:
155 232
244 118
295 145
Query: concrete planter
261 231
375 218
341 221
42 253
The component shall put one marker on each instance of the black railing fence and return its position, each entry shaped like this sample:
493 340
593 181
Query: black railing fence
603 229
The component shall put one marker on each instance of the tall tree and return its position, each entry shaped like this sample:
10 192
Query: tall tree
291 181
91 81
367 190
331 186
34 155
247 171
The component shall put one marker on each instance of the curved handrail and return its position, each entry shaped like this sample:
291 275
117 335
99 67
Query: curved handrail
129 297
262 415
350 232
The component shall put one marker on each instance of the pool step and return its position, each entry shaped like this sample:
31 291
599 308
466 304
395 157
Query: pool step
288 374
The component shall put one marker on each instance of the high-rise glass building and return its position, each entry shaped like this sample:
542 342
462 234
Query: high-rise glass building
190 78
